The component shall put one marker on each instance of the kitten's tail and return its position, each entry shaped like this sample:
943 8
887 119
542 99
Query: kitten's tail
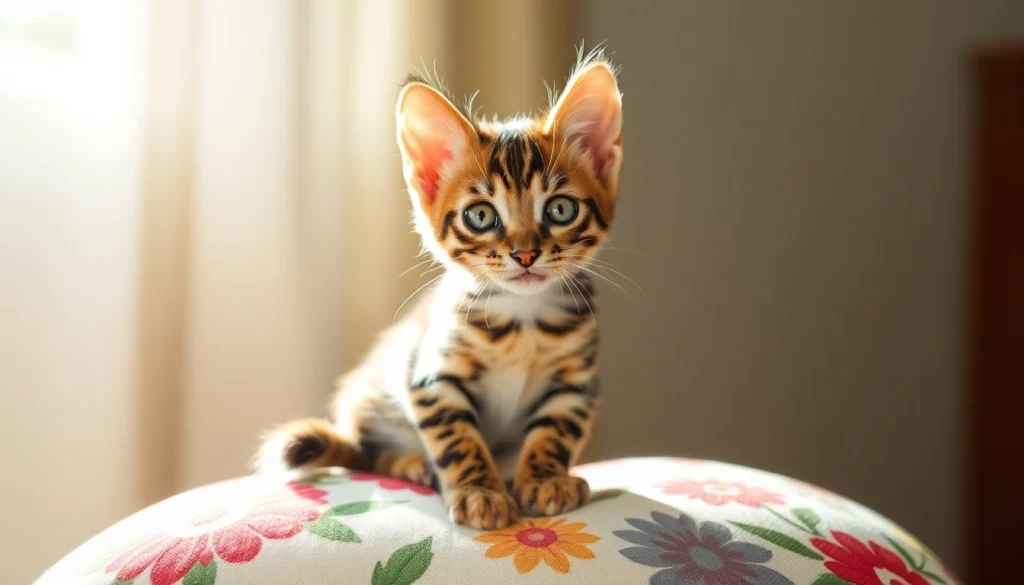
305 443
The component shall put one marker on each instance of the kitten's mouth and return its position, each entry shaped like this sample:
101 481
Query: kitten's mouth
528 277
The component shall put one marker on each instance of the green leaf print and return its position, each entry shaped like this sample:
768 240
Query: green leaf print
903 552
916 565
829 579
809 517
786 520
608 494
201 575
120 582
406 564
932 576
335 530
353 508
779 539
322 480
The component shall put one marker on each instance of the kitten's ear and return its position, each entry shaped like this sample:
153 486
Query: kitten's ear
589 112
433 136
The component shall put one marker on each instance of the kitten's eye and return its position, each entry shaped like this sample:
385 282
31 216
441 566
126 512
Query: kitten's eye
561 210
481 217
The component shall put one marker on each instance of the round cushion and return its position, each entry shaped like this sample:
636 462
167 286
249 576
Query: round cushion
650 520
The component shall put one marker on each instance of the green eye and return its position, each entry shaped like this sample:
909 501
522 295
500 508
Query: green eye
561 210
481 217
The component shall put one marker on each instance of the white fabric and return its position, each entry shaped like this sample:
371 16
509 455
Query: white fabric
654 520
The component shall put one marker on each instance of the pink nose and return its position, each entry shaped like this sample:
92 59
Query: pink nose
525 257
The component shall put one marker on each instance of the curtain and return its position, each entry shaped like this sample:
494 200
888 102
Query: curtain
203 224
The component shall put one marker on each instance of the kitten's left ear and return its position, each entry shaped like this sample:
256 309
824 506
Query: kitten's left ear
589 112
434 139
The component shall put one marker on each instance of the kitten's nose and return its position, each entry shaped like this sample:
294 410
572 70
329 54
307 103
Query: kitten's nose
525 258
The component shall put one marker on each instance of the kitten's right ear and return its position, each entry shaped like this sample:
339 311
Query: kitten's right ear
433 136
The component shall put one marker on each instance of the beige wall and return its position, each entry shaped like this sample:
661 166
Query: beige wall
798 177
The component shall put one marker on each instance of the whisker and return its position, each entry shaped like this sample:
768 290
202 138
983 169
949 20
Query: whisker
625 250
610 281
563 274
477 293
487 323
474 297
633 282
588 258
580 288
462 301
395 318
413 267
429 270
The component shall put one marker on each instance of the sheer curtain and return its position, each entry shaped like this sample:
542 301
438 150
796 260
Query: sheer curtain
202 223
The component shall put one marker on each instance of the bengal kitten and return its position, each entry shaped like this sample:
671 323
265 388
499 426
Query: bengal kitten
493 376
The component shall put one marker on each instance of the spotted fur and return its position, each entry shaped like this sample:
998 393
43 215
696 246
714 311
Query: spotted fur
488 388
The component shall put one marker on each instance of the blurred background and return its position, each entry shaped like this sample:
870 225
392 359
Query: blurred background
203 222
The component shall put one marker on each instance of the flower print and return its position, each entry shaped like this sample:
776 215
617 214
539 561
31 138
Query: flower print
231 532
719 493
688 554
392 483
309 492
865 564
540 539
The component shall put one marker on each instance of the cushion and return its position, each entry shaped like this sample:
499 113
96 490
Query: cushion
651 520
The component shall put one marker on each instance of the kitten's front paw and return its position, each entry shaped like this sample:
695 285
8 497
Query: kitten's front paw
481 508
554 495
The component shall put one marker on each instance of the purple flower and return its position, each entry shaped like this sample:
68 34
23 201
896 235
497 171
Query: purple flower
688 555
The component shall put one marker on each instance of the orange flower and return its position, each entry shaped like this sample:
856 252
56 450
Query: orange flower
534 540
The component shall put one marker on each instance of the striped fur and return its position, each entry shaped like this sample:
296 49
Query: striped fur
488 388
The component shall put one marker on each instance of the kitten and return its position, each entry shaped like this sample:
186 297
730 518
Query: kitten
493 376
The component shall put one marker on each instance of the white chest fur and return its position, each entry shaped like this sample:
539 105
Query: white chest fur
518 366
509 383
516 372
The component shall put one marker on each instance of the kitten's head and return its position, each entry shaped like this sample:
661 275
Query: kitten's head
520 202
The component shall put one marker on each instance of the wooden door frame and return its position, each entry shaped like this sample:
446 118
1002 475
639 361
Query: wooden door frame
995 464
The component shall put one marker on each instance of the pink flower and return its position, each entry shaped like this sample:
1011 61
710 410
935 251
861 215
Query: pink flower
720 493
309 491
392 483
235 536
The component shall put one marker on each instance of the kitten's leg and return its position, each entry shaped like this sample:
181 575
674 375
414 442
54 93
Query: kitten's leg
312 443
557 429
306 443
377 423
412 467
446 413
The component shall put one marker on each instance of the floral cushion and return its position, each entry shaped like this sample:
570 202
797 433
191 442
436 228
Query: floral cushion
652 520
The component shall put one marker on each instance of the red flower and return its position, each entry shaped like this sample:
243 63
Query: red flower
719 493
233 534
861 564
392 483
